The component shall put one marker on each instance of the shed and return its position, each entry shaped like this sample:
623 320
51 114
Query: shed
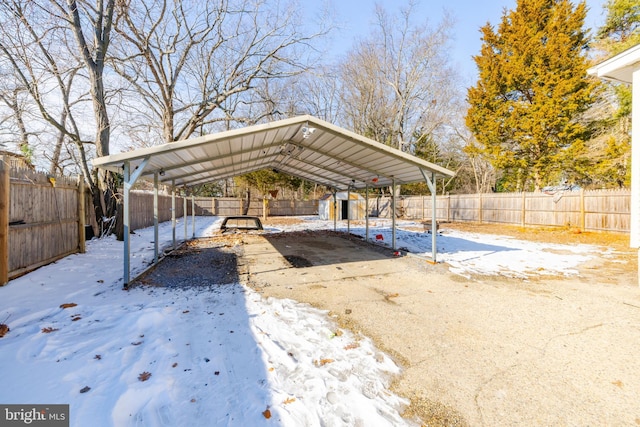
348 206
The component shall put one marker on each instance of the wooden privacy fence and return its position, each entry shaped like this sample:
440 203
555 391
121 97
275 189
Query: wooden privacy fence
41 220
224 206
588 210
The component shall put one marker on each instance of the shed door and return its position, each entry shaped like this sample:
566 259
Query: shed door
345 209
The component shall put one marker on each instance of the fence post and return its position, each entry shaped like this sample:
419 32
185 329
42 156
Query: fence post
524 212
480 208
582 211
81 216
4 221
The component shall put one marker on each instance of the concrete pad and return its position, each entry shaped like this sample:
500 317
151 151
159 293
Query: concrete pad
482 352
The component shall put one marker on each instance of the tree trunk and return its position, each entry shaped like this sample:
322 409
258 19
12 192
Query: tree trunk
245 206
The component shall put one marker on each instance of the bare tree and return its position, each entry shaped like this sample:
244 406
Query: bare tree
397 83
189 62
38 39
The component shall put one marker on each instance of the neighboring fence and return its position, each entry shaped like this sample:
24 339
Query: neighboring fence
590 210
41 220
225 206
141 208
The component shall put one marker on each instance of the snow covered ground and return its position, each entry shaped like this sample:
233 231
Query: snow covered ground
220 356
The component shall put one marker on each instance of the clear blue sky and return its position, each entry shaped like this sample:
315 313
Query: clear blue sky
470 15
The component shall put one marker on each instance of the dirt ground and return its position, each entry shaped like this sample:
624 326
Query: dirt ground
484 351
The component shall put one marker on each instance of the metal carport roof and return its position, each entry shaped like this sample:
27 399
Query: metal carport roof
303 146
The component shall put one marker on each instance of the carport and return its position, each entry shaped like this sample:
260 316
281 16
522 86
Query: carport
303 146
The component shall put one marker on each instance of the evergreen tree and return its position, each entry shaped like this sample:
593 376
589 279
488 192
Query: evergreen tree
611 149
621 29
531 92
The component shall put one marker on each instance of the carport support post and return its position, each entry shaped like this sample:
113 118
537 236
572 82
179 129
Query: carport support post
193 216
184 208
129 180
173 212
348 205
155 217
335 211
366 212
393 214
432 187
125 221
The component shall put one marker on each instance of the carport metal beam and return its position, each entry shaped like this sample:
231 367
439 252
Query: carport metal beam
129 180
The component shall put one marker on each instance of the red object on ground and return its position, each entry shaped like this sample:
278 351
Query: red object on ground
379 237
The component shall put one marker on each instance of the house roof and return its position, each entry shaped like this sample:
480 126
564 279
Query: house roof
619 68
303 146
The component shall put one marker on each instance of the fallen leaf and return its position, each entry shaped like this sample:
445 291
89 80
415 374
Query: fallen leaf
3 329
98 357
100 281
48 330
85 389
322 362
144 376
289 400
185 312
338 333
352 346
136 343
267 413
193 401
68 305
271 369
174 365
618 383
76 318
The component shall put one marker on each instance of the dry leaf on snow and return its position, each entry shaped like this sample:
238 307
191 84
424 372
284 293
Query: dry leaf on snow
68 305
267 413
144 376
322 362
48 330
289 400
3 329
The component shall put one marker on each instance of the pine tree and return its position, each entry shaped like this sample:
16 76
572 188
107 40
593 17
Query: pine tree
531 92
611 149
